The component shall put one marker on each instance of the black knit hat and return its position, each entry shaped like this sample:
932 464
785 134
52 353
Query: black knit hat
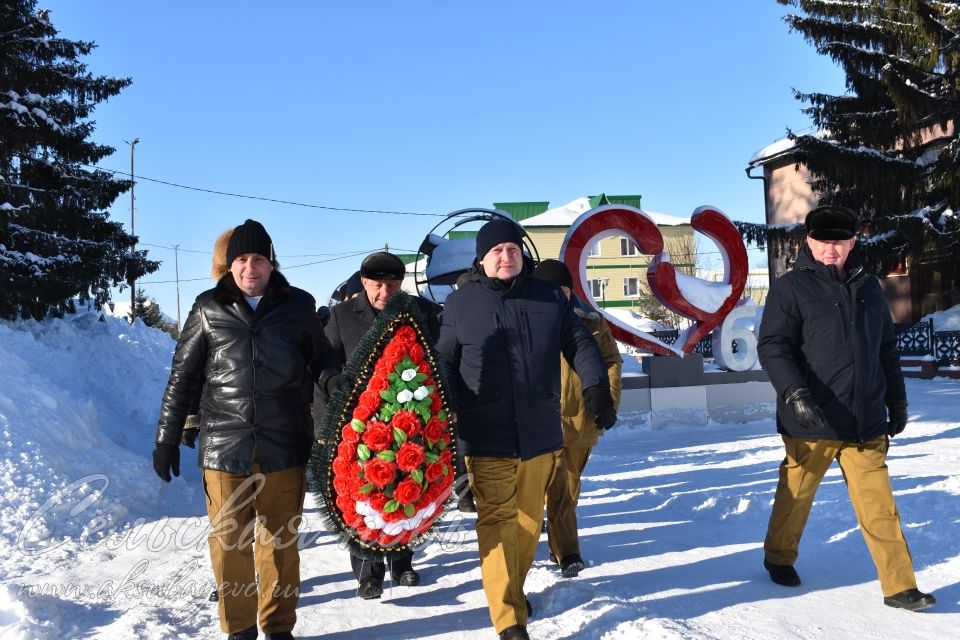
382 266
497 232
830 222
554 271
250 237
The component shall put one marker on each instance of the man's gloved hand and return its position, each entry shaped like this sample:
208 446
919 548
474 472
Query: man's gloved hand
607 419
598 403
337 382
189 437
805 411
897 415
166 458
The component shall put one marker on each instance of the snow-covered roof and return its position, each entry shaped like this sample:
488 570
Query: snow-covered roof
773 149
564 215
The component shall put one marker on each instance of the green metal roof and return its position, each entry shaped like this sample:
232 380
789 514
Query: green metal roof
457 235
522 210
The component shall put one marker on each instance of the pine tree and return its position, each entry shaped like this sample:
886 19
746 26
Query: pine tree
889 147
56 242
148 310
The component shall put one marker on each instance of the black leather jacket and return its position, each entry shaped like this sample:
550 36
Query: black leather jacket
258 368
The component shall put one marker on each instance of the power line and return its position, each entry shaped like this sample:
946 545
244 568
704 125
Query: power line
265 199
295 266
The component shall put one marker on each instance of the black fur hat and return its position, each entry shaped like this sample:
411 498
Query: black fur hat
830 222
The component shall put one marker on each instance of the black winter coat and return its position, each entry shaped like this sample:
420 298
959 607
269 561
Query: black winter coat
349 323
257 367
500 351
836 338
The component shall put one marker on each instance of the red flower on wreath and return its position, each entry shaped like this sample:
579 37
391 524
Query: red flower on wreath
346 450
349 434
406 421
407 491
434 471
434 429
377 436
378 500
409 457
416 354
379 472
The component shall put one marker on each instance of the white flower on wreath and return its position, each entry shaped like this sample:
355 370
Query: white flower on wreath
420 393
408 375
404 396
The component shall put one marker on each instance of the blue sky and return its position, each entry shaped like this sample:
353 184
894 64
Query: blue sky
428 107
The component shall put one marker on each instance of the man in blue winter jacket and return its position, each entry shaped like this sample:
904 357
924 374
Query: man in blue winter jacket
828 345
500 339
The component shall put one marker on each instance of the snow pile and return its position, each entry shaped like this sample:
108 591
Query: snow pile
948 320
78 405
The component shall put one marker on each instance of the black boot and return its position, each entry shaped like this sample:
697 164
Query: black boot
407 578
571 566
516 632
280 635
370 589
246 634
911 600
783 574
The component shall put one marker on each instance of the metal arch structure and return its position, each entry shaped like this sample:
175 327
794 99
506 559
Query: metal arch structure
443 228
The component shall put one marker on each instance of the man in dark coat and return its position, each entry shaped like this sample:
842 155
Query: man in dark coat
828 345
381 275
249 344
500 338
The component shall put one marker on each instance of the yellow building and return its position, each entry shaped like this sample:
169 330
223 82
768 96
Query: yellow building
616 270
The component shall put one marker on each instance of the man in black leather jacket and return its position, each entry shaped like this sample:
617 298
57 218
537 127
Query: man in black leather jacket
828 345
250 344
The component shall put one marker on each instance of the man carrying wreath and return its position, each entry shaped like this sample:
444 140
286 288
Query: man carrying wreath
381 275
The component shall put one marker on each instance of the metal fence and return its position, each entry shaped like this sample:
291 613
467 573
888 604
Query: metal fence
919 339
913 339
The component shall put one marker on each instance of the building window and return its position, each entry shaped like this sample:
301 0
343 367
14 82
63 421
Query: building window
630 287
596 288
628 247
594 250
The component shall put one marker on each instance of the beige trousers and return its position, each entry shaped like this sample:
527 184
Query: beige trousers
864 470
562 498
254 524
509 494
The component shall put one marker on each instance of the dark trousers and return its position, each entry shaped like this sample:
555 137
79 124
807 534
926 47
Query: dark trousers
364 568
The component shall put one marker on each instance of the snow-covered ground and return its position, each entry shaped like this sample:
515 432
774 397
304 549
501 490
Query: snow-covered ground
672 522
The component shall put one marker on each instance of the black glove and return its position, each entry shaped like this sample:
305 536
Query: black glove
806 412
166 457
338 382
897 418
598 403
607 419
189 437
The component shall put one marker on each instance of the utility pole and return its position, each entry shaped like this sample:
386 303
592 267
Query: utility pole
133 237
176 267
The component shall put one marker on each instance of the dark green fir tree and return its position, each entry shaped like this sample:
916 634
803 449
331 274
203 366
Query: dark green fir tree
149 312
56 242
888 147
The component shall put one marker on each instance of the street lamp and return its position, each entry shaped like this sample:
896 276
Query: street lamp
133 238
